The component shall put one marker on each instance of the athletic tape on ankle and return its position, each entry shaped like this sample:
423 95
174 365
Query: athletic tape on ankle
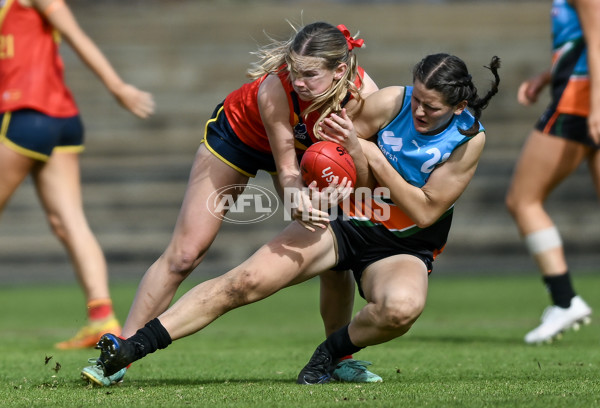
543 240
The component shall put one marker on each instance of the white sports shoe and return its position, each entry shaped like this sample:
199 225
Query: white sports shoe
556 320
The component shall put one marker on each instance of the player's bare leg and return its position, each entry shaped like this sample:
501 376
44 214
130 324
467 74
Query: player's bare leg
14 168
59 187
545 162
274 266
196 228
395 289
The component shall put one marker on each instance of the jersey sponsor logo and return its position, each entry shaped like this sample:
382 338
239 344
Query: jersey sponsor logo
392 140
300 132
11 95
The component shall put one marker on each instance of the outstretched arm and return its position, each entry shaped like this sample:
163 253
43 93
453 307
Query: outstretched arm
59 15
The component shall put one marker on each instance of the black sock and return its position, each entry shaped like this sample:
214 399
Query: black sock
339 344
148 339
560 289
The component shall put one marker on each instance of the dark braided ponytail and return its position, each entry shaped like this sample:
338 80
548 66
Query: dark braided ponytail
448 75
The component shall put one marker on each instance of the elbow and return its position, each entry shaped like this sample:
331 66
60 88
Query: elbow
424 222
288 176
426 219
291 170
428 212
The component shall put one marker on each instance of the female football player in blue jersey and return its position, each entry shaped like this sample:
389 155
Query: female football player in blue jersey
428 141
567 134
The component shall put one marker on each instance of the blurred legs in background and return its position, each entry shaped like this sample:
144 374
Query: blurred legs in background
545 162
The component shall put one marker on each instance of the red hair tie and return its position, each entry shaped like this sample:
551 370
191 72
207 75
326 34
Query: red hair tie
352 43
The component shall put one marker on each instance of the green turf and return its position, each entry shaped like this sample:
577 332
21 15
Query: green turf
466 350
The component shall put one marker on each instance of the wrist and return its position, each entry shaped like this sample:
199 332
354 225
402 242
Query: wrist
115 86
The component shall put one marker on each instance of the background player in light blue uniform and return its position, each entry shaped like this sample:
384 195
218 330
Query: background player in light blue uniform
566 134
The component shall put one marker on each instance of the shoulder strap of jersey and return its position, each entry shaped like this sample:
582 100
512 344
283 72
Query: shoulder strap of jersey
296 103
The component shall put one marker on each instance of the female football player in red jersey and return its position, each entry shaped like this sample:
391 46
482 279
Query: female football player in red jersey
566 135
41 134
264 125
428 142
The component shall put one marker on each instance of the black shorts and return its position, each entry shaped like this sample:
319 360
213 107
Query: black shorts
221 140
36 135
570 127
360 246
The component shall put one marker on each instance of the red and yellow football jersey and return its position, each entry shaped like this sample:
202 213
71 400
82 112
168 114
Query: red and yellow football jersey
241 109
31 69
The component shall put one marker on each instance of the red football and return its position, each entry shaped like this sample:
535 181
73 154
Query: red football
323 161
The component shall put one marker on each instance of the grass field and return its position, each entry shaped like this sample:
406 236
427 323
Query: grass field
466 350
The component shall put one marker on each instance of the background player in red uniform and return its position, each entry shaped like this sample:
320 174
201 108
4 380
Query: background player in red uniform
266 125
41 134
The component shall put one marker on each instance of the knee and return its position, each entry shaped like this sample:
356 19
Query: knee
518 204
511 203
57 226
182 262
243 287
398 315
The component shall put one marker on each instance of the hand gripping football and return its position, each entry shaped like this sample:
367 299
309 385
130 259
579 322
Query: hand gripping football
323 161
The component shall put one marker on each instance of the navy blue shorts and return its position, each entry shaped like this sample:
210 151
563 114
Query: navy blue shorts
35 134
221 140
358 247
